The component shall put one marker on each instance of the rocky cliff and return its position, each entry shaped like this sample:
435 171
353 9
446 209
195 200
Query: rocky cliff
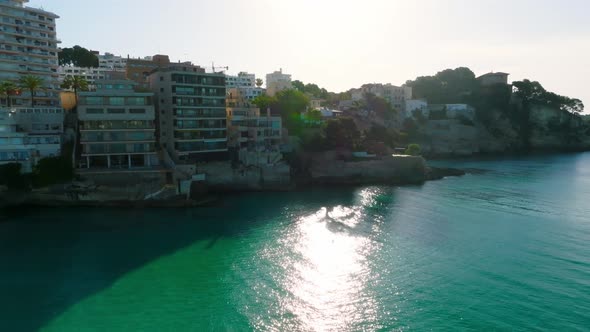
335 168
548 129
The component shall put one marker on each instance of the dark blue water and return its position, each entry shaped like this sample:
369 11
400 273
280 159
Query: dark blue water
505 249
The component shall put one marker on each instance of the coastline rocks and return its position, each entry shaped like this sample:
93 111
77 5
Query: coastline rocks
438 173
337 168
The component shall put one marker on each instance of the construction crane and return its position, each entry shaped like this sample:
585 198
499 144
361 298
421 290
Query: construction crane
215 68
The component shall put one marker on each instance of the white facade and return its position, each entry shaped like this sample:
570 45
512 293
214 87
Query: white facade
108 63
117 128
243 79
413 105
276 82
112 62
29 134
28 46
244 82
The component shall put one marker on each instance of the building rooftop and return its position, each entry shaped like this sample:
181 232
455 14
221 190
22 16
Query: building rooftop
493 74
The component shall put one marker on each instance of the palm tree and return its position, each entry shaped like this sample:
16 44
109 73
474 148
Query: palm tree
31 83
8 88
76 83
259 82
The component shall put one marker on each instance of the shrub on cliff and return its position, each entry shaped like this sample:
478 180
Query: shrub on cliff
413 150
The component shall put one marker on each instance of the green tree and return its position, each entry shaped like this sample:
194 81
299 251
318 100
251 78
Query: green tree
342 133
76 83
7 89
446 87
290 104
379 105
413 150
31 83
77 56
259 82
264 102
379 133
298 85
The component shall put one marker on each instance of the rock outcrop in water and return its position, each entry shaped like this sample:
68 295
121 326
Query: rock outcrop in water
339 169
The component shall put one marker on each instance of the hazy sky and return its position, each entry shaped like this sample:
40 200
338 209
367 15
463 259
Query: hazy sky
340 44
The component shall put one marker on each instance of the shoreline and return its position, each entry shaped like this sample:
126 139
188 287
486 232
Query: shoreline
22 199
433 173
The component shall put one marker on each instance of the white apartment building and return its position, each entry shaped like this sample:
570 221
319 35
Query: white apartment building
243 79
246 83
112 62
108 64
28 46
276 82
117 126
29 134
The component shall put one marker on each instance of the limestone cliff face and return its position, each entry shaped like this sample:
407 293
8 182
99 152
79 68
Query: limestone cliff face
450 137
329 168
550 129
553 129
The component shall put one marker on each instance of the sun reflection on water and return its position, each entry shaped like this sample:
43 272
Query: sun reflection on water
325 271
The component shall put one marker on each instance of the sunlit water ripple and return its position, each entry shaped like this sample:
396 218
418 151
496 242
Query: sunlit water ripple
501 249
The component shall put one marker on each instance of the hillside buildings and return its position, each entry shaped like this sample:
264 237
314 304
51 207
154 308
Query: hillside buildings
191 115
395 95
246 83
253 138
110 67
117 127
276 82
28 46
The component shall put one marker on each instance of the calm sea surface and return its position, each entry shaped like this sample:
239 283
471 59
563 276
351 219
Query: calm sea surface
505 249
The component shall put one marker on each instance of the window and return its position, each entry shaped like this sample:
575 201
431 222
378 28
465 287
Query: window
116 110
93 100
161 78
161 89
94 111
136 100
116 100
137 111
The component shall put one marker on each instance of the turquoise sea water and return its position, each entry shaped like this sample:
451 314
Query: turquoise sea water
501 250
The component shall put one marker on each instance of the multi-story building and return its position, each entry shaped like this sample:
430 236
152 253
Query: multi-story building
117 126
395 95
139 70
243 79
112 62
246 83
253 138
493 79
29 134
28 46
276 82
110 67
190 112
